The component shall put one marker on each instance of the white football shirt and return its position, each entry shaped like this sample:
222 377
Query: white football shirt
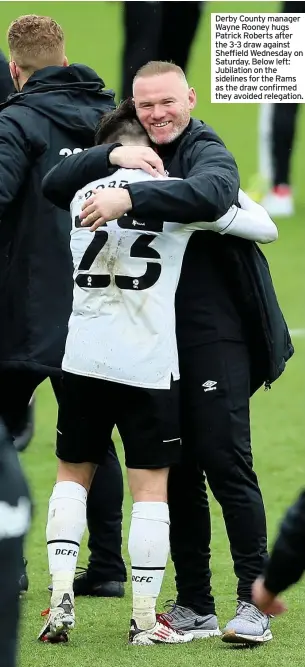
122 326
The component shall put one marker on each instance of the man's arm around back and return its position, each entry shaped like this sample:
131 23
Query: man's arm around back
207 191
209 188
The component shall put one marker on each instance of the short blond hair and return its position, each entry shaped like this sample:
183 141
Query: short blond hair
156 67
36 42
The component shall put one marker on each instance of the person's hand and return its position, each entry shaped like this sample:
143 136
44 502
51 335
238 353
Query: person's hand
137 157
265 600
104 205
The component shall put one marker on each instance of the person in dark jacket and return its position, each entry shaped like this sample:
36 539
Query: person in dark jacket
6 83
286 564
53 114
214 354
15 519
23 430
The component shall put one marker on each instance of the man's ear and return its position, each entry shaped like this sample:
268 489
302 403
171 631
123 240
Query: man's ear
14 70
192 98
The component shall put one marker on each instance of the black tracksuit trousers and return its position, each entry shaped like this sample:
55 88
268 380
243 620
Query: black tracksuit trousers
216 448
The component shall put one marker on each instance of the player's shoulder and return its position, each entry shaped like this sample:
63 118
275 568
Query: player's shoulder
135 175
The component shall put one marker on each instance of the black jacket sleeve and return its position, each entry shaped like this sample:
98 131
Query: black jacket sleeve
15 160
6 83
74 172
287 561
208 190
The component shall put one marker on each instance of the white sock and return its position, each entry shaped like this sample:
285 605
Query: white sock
148 547
65 529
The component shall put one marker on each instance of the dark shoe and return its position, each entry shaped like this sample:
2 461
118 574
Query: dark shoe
85 584
23 434
24 580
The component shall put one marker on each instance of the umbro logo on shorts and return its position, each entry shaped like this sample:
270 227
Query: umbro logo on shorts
210 385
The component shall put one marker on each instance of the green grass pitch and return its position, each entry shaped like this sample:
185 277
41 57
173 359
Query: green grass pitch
94 36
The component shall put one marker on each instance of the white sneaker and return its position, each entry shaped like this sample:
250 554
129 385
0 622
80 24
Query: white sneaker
161 633
279 202
60 621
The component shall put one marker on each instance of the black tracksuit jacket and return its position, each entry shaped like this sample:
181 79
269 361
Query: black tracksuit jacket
55 115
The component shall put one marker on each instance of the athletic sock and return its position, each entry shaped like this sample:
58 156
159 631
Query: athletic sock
65 529
148 547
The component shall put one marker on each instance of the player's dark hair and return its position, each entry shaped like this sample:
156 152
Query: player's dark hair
114 124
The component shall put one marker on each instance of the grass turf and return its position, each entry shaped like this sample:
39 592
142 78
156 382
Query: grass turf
94 31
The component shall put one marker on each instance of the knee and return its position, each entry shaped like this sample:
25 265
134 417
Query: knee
148 485
80 473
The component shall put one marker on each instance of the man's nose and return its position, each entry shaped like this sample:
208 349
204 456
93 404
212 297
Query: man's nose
158 112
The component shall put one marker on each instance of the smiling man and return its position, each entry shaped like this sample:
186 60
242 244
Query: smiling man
227 349
164 110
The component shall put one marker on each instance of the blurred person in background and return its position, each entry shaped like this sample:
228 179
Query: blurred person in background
286 564
53 113
15 516
276 140
6 84
226 348
22 431
157 31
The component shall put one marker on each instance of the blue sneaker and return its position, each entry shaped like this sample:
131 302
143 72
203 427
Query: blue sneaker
249 626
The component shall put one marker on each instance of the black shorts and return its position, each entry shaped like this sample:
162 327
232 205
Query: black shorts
147 420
